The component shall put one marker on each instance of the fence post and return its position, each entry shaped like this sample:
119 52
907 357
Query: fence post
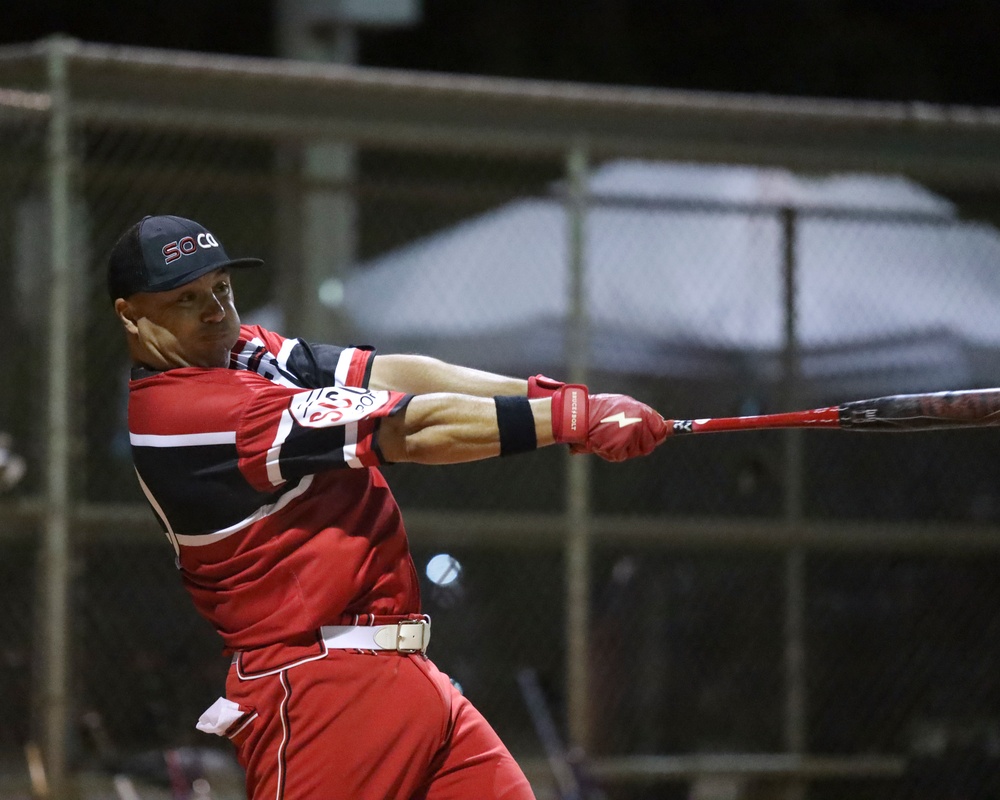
578 517
54 587
795 731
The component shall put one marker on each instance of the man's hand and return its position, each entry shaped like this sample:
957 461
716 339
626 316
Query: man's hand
620 427
615 427
160 348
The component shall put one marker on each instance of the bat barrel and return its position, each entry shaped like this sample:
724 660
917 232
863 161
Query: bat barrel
971 408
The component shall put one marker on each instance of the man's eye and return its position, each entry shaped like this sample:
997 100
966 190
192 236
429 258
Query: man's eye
185 298
222 288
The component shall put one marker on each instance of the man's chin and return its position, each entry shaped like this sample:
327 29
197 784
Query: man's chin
217 353
217 357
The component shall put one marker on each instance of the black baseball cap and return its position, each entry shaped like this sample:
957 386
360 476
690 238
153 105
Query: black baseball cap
161 253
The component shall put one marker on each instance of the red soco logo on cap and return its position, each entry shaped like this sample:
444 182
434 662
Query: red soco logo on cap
188 246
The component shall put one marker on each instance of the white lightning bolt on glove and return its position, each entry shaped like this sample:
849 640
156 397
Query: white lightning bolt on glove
621 419
621 427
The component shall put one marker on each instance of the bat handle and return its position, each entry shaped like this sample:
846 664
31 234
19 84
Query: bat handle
826 417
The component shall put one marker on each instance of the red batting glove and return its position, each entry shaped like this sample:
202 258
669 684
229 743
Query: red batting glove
620 427
615 427
540 386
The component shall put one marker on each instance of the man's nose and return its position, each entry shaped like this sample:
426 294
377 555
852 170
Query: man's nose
213 310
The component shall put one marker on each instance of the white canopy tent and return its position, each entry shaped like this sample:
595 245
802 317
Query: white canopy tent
684 277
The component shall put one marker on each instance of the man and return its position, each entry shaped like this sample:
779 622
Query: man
259 456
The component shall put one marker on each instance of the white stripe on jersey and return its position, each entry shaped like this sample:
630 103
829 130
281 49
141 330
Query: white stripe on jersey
273 459
343 366
182 439
159 512
284 352
208 538
351 445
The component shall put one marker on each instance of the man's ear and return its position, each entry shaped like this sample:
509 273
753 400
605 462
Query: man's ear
125 313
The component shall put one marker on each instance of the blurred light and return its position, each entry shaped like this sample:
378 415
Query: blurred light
12 466
331 293
443 569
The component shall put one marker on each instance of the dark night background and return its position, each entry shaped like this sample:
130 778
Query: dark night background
901 645
942 51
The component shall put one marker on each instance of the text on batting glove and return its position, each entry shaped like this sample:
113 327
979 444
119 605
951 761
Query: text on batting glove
570 414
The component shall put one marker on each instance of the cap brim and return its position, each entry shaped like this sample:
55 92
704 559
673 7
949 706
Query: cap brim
187 277
243 262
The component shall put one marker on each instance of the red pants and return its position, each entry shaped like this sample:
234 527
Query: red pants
367 726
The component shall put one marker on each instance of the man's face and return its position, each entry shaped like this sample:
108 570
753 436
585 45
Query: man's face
200 315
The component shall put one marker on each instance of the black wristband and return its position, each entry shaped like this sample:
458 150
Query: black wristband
516 424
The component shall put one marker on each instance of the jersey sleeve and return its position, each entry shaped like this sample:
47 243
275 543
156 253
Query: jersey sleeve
286 434
295 362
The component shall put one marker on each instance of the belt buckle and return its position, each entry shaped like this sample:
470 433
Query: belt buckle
405 640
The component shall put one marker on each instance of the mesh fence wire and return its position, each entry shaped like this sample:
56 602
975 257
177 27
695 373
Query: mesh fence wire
464 256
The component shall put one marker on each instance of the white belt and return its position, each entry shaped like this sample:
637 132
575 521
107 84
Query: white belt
408 636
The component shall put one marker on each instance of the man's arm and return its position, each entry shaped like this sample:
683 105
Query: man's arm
416 374
444 428
456 415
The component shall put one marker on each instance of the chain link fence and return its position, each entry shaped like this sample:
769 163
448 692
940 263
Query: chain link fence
768 614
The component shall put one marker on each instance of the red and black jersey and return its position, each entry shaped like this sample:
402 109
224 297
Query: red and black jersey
264 477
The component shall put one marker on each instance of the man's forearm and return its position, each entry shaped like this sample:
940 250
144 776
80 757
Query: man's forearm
417 374
443 428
